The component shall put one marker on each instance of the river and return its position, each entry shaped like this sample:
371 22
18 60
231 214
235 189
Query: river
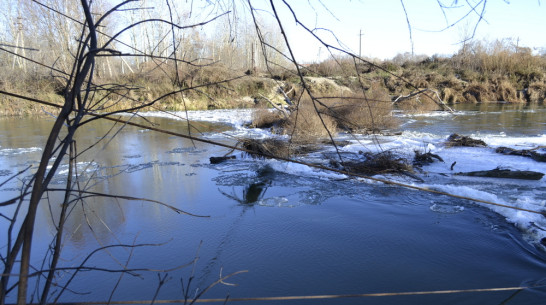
295 231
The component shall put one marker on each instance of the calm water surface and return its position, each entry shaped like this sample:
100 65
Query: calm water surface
294 234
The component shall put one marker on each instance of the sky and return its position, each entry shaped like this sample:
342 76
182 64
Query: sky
385 31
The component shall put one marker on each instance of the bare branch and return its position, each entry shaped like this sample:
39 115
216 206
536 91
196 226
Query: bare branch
409 26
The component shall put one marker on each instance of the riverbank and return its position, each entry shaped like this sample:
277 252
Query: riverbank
467 77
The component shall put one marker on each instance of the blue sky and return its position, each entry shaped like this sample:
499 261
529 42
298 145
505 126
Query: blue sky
385 29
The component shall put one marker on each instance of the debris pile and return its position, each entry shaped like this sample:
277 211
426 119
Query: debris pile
458 140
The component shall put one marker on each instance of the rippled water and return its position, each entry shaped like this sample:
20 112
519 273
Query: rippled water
297 231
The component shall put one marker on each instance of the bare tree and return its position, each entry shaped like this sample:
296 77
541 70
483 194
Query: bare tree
79 68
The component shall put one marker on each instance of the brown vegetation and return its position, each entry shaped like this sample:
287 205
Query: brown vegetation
306 124
458 140
267 148
266 118
36 86
368 111
536 92
420 103
380 163
311 120
479 72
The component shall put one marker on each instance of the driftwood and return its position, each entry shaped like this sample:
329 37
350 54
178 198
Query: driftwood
506 174
285 94
458 140
421 159
530 153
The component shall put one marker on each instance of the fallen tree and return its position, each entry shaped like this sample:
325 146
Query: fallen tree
505 174
530 153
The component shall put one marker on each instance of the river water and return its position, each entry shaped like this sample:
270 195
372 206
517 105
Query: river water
296 231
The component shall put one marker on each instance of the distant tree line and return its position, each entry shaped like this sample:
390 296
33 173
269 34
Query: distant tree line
46 31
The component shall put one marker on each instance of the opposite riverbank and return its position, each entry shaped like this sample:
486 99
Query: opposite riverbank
474 75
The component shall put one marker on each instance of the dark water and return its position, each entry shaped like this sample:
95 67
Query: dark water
294 235
512 119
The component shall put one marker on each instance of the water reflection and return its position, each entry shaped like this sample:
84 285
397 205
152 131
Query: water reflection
136 163
252 193
255 190
510 120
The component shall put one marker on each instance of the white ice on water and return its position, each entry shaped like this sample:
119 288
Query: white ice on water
235 117
520 193
18 151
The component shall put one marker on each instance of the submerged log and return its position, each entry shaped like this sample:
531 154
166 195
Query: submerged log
216 160
506 174
530 153
458 140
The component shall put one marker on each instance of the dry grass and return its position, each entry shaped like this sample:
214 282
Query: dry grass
310 121
420 103
537 92
275 148
306 125
371 111
478 92
321 86
496 90
458 140
381 163
266 118
267 148
452 96
482 72
38 86
505 91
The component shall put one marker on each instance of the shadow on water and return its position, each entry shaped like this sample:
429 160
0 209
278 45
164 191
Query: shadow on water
252 194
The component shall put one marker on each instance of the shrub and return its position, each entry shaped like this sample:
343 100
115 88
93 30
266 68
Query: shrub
306 125
371 111
266 118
